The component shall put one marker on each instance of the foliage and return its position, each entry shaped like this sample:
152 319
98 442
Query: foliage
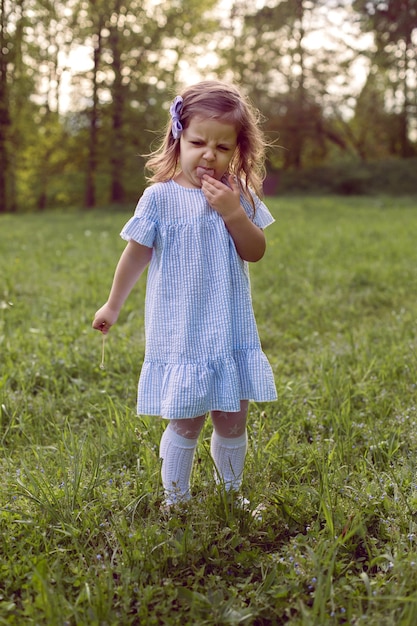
115 107
75 133
271 55
333 461
394 24
393 177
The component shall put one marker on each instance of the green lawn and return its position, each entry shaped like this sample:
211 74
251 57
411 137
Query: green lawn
333 461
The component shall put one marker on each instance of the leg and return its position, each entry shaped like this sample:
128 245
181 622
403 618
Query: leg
178 444
229 445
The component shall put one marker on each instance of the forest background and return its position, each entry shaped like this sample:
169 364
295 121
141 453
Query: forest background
85 87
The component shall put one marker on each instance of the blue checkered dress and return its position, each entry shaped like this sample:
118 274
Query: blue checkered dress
202 347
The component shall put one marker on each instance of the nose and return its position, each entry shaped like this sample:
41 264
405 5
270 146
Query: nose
209 154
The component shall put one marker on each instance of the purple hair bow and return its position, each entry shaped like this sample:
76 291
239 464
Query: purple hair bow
176 109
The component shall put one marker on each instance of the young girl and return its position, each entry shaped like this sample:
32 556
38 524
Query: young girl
196 227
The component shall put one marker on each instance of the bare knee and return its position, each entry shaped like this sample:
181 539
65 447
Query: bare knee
230 424
189 428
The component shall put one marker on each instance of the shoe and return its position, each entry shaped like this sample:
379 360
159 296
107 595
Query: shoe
174 509
244 505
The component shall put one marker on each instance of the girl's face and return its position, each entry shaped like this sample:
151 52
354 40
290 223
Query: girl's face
206 147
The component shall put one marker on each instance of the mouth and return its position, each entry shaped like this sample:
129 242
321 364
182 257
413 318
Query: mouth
204 170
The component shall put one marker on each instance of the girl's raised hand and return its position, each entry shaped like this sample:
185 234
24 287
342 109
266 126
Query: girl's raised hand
248 238
224 199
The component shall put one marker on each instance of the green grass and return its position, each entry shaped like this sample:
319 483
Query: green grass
82 541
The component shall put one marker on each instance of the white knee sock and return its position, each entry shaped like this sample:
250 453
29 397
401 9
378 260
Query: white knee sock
229 457
177 454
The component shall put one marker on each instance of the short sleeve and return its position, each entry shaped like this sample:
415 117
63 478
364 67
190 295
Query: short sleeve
262 217
143 225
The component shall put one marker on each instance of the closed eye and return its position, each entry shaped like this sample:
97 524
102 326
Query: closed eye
222 148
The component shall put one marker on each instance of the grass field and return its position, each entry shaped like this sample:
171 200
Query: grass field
333 461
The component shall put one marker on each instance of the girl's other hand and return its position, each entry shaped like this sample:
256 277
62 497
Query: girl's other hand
104 319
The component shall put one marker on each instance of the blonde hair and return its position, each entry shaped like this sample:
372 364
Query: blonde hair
217 100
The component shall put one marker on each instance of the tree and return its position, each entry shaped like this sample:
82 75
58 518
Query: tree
15 85
394 25
90 183
137 50
270 53
32 39
5 122
370 129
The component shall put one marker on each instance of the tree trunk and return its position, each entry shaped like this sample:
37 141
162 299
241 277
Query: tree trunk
117 145
405 144
90 184
4 117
